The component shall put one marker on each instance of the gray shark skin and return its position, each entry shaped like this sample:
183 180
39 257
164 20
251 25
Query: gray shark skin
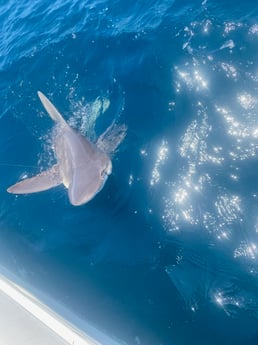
82 167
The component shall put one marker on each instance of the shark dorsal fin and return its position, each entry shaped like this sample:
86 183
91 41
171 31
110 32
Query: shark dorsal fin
51 109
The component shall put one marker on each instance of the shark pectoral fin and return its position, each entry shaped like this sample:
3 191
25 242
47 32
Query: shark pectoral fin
43 181
51 109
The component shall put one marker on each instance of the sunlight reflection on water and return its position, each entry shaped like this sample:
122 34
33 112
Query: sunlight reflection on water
222 134
162 156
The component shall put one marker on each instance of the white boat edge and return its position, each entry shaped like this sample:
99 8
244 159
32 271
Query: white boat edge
45 315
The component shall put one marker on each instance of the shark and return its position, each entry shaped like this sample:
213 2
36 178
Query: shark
82 166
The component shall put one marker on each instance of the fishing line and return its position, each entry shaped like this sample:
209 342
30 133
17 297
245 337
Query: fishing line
18 165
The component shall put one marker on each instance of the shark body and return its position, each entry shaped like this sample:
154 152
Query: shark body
82 167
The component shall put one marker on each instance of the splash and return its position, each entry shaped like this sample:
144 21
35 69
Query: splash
85 115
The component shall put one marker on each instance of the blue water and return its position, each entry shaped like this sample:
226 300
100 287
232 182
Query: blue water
167 253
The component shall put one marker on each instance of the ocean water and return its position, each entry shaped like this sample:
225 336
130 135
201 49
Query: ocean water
167 252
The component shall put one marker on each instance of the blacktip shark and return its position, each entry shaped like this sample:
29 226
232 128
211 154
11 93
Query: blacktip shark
82 166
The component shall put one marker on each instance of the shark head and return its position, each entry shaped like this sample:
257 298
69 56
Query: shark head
87 182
